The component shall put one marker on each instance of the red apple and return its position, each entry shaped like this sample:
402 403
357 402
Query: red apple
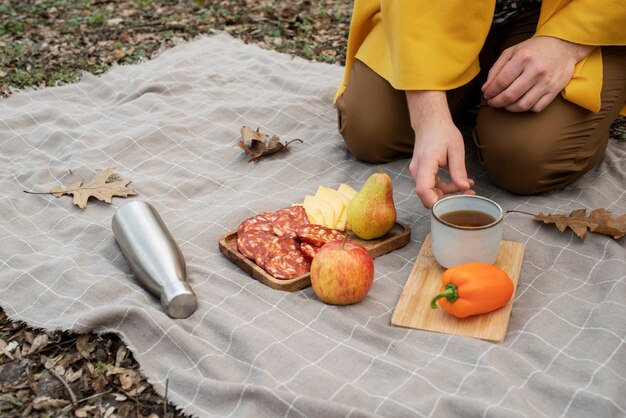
342 273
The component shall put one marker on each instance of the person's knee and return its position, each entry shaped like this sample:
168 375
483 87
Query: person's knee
374 118
521 172
523 167
364 138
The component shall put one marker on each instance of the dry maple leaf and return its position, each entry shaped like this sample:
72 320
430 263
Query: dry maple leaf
257 144
103 186
600 221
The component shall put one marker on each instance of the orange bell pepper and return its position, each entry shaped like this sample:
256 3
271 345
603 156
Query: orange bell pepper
473 289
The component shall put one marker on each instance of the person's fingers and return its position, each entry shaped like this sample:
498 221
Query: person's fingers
447 188
509 72
429 197
543 102
456 166
519 93
535 98
496 68
425 184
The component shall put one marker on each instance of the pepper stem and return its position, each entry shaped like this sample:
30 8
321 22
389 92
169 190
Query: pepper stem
451 293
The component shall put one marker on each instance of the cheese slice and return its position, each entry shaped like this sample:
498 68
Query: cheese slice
347 191
338 202
324 207
342 223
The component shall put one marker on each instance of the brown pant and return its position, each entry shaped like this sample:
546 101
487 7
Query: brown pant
524 153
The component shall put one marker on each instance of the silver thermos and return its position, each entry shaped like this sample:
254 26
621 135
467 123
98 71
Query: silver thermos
154 257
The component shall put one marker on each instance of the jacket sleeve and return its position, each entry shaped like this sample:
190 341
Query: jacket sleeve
589 22
419 44
430 45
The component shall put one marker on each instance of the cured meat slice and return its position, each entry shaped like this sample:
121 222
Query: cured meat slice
318 235
270 240
287 221
274 244
251 244
309 250
286 265
270 216
299 213
256 223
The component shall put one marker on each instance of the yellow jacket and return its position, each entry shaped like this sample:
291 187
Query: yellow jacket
434 45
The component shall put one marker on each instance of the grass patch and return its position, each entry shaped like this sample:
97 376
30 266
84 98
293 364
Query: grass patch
44 43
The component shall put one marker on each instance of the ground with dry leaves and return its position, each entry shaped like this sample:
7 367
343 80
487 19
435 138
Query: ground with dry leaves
44 43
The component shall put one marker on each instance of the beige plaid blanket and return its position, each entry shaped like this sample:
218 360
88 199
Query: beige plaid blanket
170 125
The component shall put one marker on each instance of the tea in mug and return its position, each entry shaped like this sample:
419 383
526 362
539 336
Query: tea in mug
467 218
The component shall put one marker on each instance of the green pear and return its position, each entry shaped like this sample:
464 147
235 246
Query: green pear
371 212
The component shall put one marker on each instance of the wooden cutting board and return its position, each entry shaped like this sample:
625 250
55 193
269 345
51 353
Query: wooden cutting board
398 237
413 309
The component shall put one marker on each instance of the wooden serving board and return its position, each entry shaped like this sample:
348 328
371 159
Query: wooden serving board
413 309
398 237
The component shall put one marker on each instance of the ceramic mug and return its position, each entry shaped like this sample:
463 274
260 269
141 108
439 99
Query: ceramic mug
465 242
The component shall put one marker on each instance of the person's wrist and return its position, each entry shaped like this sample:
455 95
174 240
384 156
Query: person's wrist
577 51
427 108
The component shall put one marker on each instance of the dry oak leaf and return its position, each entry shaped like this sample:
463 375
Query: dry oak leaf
257 144
600 221
103 186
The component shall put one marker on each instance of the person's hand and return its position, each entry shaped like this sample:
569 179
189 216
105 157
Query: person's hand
438 144
529 75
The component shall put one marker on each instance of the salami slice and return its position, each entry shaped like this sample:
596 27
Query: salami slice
287 221
258 223
318 235
274 244
270 216
299 213
309 250
250 244
286 265
270 240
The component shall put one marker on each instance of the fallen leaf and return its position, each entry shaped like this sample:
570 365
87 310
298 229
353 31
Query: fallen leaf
109 412
72 376
257 144
103 186
85 346
114 22
40 341
120 355
9 348
128 379
136 391
51 362
600 221
576 221
84 411
45 402
111 370
614 227
119 397
119 54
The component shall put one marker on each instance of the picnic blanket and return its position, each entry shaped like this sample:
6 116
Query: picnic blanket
170 125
